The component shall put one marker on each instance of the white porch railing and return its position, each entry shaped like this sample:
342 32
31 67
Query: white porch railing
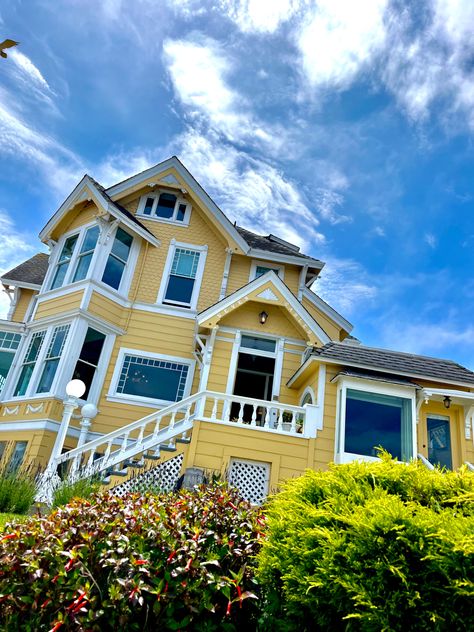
115 451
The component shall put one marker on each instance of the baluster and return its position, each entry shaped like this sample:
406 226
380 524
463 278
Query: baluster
157 427
267 418
187 414
214 410
172 420
124 442
226 410
140 436
241 413
184 436
107 451
91 459
293 422
253 421
280 420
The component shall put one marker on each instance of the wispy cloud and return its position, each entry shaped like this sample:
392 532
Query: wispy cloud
430 239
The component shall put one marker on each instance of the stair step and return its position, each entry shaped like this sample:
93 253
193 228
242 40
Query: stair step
168 448
181 440
134 464
119 472
105 481
153 457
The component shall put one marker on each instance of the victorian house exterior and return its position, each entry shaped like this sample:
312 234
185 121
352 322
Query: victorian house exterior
204 349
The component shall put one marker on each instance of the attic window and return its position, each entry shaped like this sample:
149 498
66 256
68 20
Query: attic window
166 207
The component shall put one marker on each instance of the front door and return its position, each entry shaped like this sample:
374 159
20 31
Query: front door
439 441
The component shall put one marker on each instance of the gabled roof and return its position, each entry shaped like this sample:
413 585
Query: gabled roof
273 244
329 311
28 274
89 188
270 289
387 361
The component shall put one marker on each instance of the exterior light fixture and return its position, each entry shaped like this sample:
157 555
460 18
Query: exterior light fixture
75 388
263 317
447 401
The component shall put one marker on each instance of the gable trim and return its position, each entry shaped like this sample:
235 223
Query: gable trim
327 310
241 295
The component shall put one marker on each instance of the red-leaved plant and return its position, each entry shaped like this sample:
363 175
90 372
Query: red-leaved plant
169 561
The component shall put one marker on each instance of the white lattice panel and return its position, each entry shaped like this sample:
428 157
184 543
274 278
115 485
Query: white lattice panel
251 479
163 477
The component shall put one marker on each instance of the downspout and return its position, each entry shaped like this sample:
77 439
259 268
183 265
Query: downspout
225 275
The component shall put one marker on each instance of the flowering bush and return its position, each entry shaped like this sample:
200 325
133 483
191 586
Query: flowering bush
168 562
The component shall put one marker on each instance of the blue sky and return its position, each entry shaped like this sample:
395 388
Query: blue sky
345 127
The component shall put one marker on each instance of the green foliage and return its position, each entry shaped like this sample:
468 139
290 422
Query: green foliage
6 518
371 546
17 490
83 488
142 562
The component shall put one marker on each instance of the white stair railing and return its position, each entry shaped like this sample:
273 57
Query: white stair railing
425 462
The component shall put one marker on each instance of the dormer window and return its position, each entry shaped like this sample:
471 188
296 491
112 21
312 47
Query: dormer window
166 207
259 268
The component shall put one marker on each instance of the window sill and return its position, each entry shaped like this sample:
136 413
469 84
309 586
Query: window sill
162 220
143 402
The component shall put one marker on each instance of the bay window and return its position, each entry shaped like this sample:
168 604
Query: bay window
63 262
89 357
370 419
117 259
52 358
85 253
29 363
8 345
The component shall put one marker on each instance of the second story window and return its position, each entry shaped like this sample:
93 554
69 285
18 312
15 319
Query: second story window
8 345
164 206
117 259
182 277
29 362
51 361
75 258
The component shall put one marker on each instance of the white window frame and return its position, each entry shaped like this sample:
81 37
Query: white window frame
13 352
279 269
129 269
172 220
367 386
197 281
113 396
308 391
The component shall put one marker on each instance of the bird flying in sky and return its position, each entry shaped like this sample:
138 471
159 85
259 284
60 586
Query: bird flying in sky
8 43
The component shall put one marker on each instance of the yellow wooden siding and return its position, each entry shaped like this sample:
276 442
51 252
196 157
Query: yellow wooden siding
279 322
106 309
333 331
59 305
77 217
22 305
200 232
240 271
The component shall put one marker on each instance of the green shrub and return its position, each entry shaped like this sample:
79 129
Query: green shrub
169 562
17 490
67 491
371 546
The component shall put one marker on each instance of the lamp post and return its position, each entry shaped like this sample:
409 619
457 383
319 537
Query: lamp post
74 390
88 412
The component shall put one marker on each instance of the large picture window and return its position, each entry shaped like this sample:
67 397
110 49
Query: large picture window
375 419
144 377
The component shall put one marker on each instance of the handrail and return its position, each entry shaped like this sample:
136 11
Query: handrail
425 462
469 465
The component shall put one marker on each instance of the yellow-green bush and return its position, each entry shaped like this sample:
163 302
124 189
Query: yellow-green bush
371 546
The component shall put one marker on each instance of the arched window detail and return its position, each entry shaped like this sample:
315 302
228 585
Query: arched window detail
308 396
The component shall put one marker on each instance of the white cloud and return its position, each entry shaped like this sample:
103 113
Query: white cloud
258 15
431 240
28 70
250 191
338 38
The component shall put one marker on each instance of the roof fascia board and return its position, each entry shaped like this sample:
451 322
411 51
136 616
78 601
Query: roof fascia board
418 376
12 325
193 184
63 209
280 287
257 253
328 310
21 284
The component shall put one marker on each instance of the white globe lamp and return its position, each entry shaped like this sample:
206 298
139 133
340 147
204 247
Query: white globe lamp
75 388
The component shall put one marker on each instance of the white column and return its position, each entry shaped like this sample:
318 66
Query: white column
70 404
88 412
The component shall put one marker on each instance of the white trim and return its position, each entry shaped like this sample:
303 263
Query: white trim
167 310
42 424
65 317
225 274
20 284
234 357
327 310
278 367
85 284
202 250
156 196
268 277
279 269
367 386
308 391
173 162
280 258
147 401
12 326
85 190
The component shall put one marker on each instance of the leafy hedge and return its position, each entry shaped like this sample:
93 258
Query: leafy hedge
169 562
379 546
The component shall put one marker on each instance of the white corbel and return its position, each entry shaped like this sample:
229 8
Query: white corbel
421 397
468 412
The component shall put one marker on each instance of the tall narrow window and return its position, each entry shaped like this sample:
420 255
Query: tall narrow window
85 254
89 358
53 355
118 258
64 261
8 345
29 362
182 277
17 456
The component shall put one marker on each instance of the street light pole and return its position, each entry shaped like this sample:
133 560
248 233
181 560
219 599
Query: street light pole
74 390
88 412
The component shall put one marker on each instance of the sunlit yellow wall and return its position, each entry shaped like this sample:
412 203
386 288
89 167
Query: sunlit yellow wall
240 273
332 330
22 305
59 305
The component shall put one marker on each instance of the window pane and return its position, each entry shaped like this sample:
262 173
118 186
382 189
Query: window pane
17 456
63 263
9 340
23 380
185 263
34 347
59 275
165 206
84 372
179 289
57 341
157 379
68 249
122 244
113 272
90 240
378 420
148 206
92 347
439 442
82 267
181 212
6 359
263 344
47 376
261 270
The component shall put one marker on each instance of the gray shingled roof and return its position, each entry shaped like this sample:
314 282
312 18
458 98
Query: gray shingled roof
395 362
267 243
31 271
378 377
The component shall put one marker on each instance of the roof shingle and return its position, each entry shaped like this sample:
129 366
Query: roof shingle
31 271
395 362
261 242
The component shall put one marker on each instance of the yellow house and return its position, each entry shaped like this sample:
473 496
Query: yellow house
202 347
